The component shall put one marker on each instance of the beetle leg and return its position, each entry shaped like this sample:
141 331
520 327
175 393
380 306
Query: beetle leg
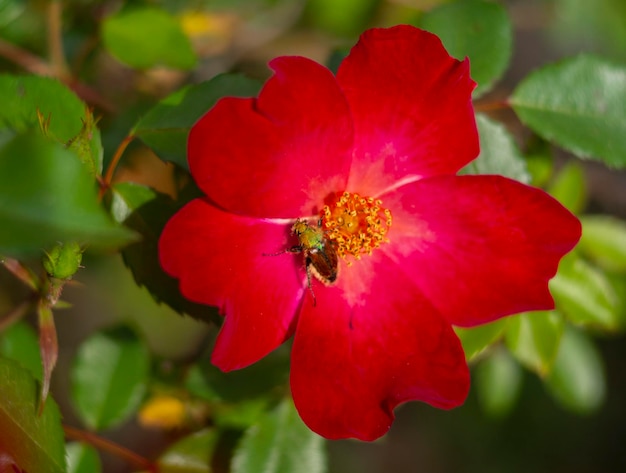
307 265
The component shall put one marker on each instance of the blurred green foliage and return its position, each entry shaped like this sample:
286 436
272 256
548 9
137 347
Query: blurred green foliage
149 69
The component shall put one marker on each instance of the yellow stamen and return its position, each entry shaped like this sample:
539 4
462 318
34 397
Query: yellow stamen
356 224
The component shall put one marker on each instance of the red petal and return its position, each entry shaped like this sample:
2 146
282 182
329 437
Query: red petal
278 155
411 105
351 365
480 247
219 259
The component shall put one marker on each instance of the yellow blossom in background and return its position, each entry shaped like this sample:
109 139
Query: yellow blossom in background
163 411
210 32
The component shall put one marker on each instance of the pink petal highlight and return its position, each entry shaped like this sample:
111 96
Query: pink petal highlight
219 259
278 155
411 105
480 247
351 365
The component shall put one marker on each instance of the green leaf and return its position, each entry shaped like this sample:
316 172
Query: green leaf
146 211
498 383
261 378
191 454
534 339
197 384
28 99
109 377
539 161
280 443
31 442
241 415
336 57
144 37
540 169
577 379
569 187
477 339
127 197
498 152
604 241
341 17
166 127
478 29
46 196
20 343
10 10
82 458
579 104
585 295
618 282
584 25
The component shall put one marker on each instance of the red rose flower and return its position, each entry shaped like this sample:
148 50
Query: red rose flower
372 154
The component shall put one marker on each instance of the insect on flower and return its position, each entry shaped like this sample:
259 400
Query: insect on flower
373 151
320 253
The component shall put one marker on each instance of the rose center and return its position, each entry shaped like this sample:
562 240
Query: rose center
356 224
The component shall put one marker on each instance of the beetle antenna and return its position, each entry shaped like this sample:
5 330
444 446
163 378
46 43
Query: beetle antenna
293 249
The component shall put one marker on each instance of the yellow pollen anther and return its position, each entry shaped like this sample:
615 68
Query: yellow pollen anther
356 224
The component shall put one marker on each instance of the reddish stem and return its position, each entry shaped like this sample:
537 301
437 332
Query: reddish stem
48 347
108 176
21 272
492 106
14 314
110 447
27 61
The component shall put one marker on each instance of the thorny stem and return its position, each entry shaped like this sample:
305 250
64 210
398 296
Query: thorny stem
108 176
110 447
